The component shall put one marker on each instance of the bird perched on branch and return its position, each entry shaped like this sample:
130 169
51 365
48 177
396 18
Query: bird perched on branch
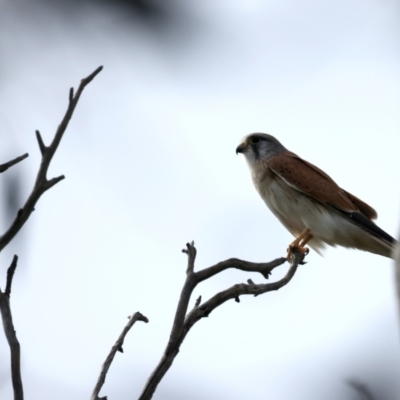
308 202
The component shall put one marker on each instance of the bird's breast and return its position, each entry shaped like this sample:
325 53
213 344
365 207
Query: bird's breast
289 205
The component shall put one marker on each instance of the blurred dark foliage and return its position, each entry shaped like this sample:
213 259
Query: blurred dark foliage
163 16
153 11
11 189
12 200
362 390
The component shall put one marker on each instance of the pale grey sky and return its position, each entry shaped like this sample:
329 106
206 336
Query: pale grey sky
150 164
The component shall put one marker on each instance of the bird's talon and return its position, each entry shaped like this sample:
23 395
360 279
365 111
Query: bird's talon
293 249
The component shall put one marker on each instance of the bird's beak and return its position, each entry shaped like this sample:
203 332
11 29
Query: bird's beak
241 148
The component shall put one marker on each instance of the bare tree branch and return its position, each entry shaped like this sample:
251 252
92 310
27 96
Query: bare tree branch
264 269
41 144
191 253
42 183
5 166
10 275
198 302
117 347
233 293
183 321
11 336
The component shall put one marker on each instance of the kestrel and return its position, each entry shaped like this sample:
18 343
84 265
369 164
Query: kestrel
308 202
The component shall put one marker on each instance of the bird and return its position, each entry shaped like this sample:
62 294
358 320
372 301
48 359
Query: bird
309 203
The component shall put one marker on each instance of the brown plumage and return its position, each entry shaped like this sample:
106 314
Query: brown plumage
307 178
305 198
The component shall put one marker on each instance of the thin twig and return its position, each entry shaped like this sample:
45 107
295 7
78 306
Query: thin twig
183 322
5 166
10 334
42 184
117 347
264 269
41 144
10 275
198 301
191 253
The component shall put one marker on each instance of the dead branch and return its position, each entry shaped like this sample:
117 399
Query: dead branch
5 166
117 347
10 334
183 321
10 275
42 184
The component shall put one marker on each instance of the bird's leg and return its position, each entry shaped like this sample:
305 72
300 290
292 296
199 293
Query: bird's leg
303 235
305 240
300 244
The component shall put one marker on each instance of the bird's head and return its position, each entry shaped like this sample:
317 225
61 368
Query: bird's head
259 146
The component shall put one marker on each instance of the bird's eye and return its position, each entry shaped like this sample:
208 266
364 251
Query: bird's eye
255 139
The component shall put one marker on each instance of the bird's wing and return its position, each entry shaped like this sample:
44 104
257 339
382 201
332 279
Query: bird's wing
366 209
309 179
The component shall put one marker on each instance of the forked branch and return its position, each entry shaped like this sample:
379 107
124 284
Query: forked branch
42 183
184 321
